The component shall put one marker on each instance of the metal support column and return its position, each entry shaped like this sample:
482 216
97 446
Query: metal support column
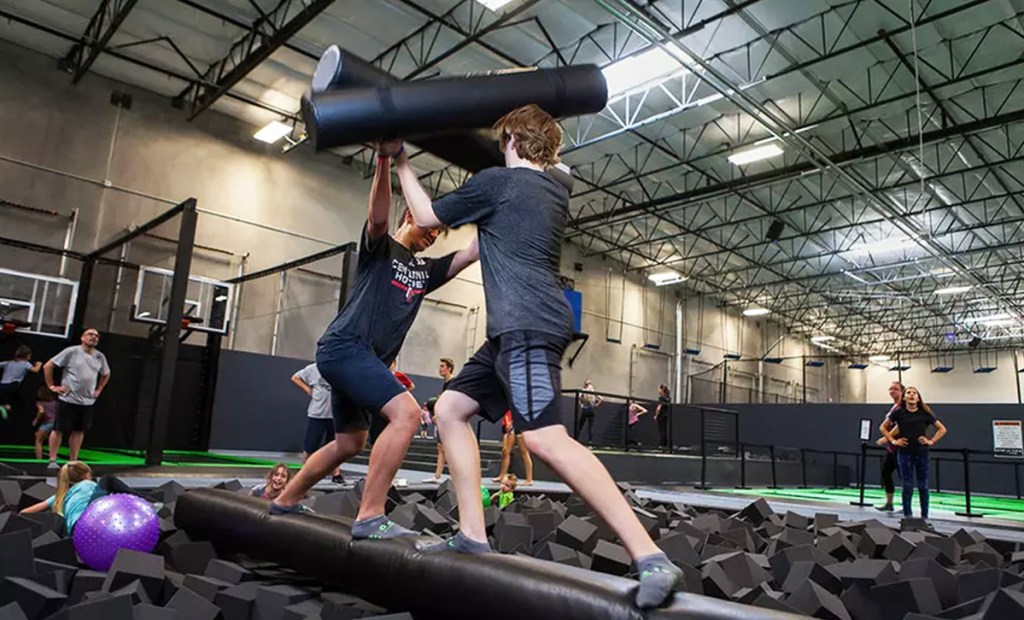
169 353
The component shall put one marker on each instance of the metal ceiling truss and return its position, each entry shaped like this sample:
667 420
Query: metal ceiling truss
268 33
101 28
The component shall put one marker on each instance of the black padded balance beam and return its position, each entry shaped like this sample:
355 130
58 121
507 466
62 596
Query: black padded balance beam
395 575
353 115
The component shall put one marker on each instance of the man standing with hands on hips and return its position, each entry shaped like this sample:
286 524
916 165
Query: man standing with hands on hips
85 374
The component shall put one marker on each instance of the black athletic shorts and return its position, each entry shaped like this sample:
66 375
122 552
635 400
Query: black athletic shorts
521 371
72 417
361 383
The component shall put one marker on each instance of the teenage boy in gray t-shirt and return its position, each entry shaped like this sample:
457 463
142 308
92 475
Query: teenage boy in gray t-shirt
520 212
320 419
84 375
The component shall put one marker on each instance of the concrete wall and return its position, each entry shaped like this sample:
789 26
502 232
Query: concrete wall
65 148
961 385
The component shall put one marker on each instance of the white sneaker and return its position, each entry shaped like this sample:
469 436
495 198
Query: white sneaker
53 465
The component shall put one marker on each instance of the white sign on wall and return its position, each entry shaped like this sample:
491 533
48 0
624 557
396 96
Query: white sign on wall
865 429
1007 439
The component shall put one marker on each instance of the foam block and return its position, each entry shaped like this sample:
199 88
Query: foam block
790 537
757 512
968 608
37 601
859 603
898 549
513 537
133 592
823 520
978 583
610 558
814 600
85 581
949 549
191 557
555 552
59 580
131 565
206 587
12 611
543 522
794 520
34 494
45 538
866 572
575 533
306 610
805 570
16 554
982 553
271 600
899 598
10 523
873 541
944 581
839 546
152 612
742 570
47 522
61 550
229 572
10 493
1005 604
168 492
119 608
678 549
236 602
716 582
966 538
782 561
768 602
426 518
192 606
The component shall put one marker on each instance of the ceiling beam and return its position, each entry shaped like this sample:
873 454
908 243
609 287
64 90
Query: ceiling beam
267 34
102 26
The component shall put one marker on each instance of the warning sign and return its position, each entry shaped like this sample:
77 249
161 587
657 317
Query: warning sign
1007 439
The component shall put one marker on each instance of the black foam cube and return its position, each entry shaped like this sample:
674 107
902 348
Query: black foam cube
873 541
791 537
130 565
744 539
10 493
707 523
341 503
168 492
16 555
306 610
838 546
804 570
792 519
37 601
192 606
228 571
514 537
38 492
114 608
949 549
982 553
610 558
12 611
865 572
859 603
191 557
47 522
555 552
768 602
236 602
898 549
85 581
978 583
206 587
814 600
966 538
742 569
823 520
1005 604
152 612
271 600
899 598
678 549
134 592
61 550
945 582
716 582
575 533
543 522
757 512
426 518
782 561
10 523
59 580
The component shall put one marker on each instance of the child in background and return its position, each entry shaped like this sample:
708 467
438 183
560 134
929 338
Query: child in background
13 372
506 495
276 480
46 415
76 490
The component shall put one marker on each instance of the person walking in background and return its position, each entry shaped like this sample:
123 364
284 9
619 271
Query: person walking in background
46 414
509 439
913 418
85 375
445 369
588 401
12 373
662 413
889 465
319 416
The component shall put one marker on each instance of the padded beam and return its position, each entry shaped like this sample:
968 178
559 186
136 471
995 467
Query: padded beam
408 109
448 585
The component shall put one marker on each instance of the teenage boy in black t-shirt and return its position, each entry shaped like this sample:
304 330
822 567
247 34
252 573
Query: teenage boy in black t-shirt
520 212
354 353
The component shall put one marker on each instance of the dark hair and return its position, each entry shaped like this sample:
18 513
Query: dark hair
91 329
923 406
45 394
447 361
538 136
22 352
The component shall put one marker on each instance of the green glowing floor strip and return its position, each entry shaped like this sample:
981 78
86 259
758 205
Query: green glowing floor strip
131 458
996 507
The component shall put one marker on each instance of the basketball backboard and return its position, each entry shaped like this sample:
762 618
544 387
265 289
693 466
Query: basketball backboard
37 304
207 301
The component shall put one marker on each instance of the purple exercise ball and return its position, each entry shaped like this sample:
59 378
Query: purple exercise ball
115 522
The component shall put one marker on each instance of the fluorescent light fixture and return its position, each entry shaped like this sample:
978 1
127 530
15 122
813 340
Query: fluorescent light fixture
879 358
221 298
998 323
992 318
272 132
820 339
144 314
756 312
664 278
748 156
878 247
942 272
494 5
952 290
647 68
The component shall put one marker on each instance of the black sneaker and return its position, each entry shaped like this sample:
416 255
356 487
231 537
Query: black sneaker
884 508
339 479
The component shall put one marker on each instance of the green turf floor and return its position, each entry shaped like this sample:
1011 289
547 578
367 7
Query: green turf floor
994 507
133 458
